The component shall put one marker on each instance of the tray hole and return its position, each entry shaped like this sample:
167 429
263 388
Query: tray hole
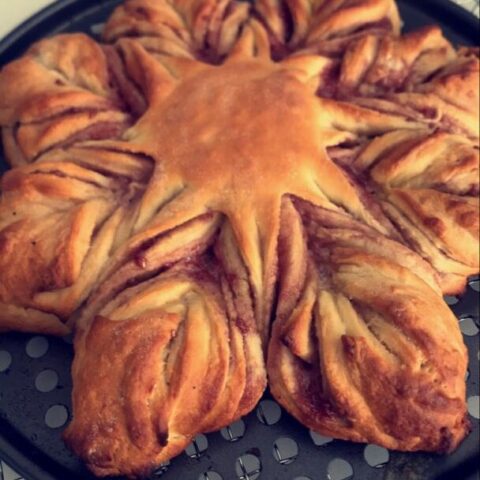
475 284
160 470
468 326
376 456
210 476
320 440
56 416
46 381
248 467
285 450
198 447
269 412
5 360
450 299
233 432
97 29
37 347
473 405
8 472
339 469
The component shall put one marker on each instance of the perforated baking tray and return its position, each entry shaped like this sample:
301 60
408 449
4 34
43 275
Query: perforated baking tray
268 444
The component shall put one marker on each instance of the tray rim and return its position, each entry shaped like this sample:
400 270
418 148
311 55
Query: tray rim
33 29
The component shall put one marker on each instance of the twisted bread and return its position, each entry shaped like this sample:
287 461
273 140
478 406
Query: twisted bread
221 183
358 312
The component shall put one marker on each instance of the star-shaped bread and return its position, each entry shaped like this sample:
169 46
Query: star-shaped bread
224 194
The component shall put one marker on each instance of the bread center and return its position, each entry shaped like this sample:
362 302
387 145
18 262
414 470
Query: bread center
239 128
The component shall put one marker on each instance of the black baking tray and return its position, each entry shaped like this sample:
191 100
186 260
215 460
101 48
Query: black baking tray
37 451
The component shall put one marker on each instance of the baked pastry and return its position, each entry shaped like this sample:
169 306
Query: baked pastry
356 312
224 191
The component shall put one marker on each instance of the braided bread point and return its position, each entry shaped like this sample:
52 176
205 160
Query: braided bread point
174 352
358 311
59 222
204 29
324 27
64 96
428 184
431 192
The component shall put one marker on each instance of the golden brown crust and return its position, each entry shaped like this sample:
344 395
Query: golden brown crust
65 95
360 312
324 27
218 164
429 184
59 222
172 341
374 65
204 29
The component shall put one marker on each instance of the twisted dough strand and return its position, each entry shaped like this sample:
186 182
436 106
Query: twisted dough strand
183 336
360 312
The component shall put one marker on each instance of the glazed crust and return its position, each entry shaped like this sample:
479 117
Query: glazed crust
222 190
